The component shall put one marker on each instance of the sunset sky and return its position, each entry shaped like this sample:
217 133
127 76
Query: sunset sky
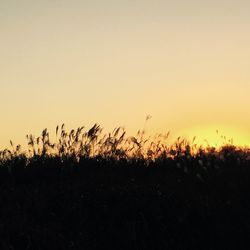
186 63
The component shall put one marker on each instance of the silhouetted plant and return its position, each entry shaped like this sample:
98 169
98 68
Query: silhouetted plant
78 144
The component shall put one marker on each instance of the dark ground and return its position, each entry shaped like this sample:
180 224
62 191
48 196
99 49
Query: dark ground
103 206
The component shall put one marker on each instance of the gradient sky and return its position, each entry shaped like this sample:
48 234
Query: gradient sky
186 63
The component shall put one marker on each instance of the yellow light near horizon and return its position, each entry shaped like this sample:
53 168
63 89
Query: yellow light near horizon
217 136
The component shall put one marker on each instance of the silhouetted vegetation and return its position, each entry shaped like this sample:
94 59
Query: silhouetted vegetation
89 190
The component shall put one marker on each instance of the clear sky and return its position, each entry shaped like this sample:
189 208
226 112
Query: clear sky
186 63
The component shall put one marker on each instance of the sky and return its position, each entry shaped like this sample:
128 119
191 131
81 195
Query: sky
186 63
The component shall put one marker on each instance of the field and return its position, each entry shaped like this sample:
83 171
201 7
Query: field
87 190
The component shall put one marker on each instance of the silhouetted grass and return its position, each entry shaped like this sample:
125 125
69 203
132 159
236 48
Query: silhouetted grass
89 190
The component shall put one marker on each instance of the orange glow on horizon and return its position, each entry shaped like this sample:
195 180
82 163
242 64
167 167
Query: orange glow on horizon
217 136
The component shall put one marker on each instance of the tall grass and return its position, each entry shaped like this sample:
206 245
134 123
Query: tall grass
77 144
172 196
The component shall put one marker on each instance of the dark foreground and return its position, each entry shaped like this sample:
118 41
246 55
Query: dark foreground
95 205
